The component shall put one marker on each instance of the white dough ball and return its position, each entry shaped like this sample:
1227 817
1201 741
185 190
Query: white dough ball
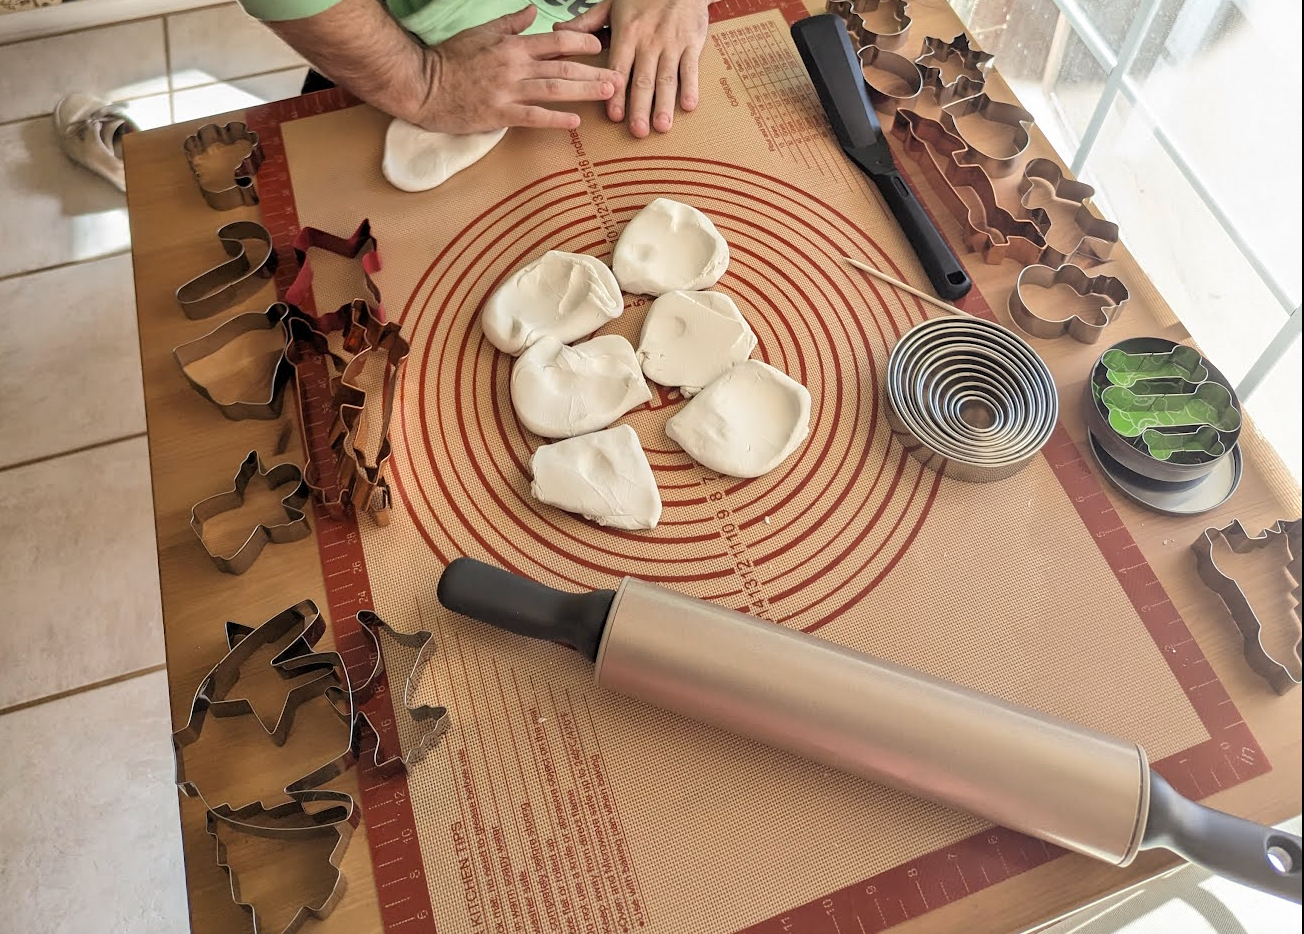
418 160
603 476
689 339
745 423
561 295
560 391
669 247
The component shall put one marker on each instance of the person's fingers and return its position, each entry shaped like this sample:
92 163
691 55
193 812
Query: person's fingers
621 61
513 23
540 117
574 71
688 88
558 89
642 90
591 21
561 44
663 112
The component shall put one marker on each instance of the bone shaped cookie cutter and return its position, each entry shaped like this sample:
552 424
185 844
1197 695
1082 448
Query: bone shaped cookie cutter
241 192
1281 677
237 278
294 528
1112 293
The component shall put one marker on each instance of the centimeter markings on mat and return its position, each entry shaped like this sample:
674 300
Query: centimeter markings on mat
402 891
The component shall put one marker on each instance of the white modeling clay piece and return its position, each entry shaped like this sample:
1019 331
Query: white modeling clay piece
418 160
746 422
561 295
560 391
603 476
690 338
669 247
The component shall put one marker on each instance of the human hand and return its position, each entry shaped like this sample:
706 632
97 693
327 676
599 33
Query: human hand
655 46
490 77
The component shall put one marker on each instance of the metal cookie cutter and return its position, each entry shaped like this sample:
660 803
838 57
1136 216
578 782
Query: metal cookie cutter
273 319
893 80
241 192
361 246
970 398
993 111
971 67
890 24
294 528
237 278
1279 675
1130 414
1112 292
1098 236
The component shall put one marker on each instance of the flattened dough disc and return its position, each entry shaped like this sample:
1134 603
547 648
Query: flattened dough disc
560 391
561 295
418 160
669 247
689 339
603 476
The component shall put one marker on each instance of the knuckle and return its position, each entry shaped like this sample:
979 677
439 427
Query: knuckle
553 86
668 81
644 82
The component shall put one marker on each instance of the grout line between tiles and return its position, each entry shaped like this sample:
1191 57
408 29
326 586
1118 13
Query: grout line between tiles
68 265
72 692
122 22
81 450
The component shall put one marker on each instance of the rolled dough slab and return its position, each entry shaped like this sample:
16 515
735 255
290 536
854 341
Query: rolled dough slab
669 247
561 392
560 295
603 476
418 160
690 339
745 423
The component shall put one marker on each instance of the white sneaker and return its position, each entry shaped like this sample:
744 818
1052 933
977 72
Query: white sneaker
90 132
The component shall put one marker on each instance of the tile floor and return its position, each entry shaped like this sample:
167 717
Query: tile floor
95 637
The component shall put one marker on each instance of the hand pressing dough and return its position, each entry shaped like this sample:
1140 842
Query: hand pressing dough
691 338
669 247
603 476
745 423
560 391
561 295
418 160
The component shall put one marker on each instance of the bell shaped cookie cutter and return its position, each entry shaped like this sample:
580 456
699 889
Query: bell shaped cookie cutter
889 34
1112 293
237 278
241 192
1279 675
294 528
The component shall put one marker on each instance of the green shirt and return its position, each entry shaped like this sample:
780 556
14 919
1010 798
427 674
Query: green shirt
432 20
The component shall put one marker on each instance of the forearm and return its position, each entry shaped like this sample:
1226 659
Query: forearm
359 46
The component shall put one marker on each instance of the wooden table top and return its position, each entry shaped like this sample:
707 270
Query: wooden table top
194 453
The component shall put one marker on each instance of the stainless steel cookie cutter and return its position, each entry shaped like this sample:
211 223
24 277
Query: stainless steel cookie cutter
993 111
294 528
1278 674
237 278
241 192
1098 236
971 67
907 83
273 319
1111 291
889 30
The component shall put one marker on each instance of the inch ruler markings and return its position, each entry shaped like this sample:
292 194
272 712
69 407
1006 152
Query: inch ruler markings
402 891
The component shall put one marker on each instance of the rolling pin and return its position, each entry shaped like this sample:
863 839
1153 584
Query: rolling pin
1068 785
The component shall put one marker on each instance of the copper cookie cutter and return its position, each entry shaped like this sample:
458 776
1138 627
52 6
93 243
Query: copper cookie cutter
1278 674
360 246
241 192
294 528
237 278
890 34
1110 290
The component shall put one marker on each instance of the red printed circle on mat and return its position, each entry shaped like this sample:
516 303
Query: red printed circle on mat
797 545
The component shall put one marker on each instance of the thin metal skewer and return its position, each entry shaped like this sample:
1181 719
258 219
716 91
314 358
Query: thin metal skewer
897 283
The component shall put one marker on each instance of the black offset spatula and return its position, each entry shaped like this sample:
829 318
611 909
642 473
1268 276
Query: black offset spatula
834 69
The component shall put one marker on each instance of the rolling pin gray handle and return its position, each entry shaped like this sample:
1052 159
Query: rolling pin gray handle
525 607
1261 857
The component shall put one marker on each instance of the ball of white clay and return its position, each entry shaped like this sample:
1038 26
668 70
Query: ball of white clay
689 339
561 295
746 422
669 247
560 391
418 160
603 476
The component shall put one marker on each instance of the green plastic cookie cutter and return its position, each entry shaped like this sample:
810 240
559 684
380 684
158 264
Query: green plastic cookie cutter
1128 369
1203 441
1211 404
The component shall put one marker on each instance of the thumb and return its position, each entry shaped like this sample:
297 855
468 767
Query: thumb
592 21
513 24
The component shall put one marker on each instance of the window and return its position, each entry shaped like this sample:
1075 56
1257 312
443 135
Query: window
1185 116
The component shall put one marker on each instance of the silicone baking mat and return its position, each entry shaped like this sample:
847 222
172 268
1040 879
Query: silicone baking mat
551 806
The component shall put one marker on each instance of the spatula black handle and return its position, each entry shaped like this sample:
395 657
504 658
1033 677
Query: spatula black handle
944 269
